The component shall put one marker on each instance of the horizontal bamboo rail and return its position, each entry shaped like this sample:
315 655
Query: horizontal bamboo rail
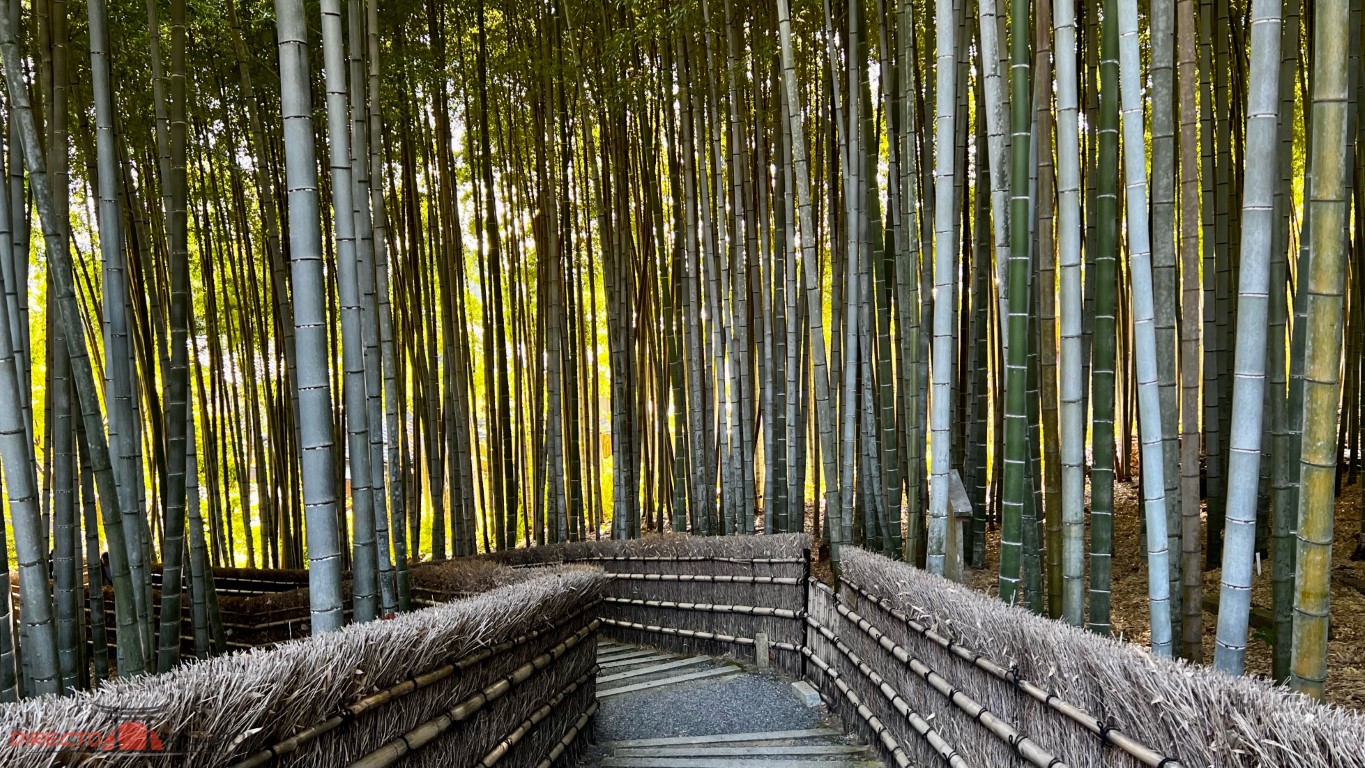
1023 746
500 751
745 610
688 559
423 734
706 578
663 559
396 691
570 736
694 633
1107 733
884 734
916 721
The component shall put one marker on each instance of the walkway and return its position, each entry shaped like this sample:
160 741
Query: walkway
660 710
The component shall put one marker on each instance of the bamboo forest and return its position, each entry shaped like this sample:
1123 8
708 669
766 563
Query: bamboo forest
1061 299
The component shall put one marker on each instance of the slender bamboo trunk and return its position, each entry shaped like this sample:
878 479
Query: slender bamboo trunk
1191 542
177 412
30 551
364 549
1234 604
310 336
1144 332
1104 338
1070 308
1015 490
99 639
810 267
1323 283
993 64
62 475
362 216
120 367
1162 37
945 247
1283 513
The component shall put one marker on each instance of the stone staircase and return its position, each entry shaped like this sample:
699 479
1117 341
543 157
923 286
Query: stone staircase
662 710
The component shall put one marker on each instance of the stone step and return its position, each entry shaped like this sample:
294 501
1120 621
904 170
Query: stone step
602 694
726 762
804 750
635 662
727 738
652 670
622 655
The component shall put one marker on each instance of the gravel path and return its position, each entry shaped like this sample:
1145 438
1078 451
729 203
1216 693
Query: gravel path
736 700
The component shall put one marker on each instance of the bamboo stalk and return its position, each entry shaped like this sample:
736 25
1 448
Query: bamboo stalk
1234 605
1323 284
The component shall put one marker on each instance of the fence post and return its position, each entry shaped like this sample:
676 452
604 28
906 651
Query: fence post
805 608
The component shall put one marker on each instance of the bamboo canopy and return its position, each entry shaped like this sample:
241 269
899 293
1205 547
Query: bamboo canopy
349 286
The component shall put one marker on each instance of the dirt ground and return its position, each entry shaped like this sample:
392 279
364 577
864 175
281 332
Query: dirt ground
1131 620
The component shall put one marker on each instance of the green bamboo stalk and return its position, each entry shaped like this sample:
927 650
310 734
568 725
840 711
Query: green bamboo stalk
362 215
1216 417
177 413
63 477
1323 284
315 394
852 166
909 268
63 293
397 499
1191 332
1105 333
364 550
810 267
980 338
1050 477
119 366
945 248
1016 349
1072 384
1144 330
1162 36
1282 522
99 638
1234 604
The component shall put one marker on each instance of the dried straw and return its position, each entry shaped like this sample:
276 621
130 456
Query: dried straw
1187 713
214 712
695 595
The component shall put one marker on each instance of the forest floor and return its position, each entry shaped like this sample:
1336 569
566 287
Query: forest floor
1131 619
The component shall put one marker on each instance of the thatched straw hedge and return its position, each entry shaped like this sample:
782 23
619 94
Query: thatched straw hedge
787 546
527 642
1185 714
700 595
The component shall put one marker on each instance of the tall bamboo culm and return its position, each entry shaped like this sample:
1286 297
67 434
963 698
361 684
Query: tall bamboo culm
317 460
1329 206
1234 604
